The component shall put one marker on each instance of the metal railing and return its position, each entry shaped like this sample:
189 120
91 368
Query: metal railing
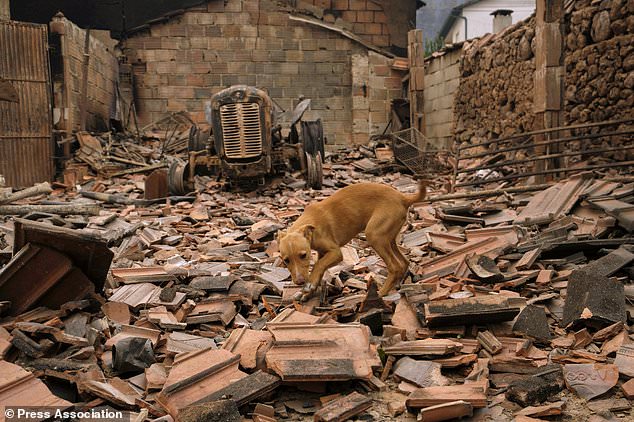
526 154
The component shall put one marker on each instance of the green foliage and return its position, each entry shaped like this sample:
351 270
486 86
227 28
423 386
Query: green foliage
433 44
382 355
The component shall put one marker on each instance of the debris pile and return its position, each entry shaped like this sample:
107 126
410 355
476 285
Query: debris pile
117 154
517 306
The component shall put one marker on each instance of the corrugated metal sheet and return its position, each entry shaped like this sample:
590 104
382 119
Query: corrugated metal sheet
26 149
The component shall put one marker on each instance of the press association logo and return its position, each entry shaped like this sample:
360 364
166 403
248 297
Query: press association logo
27 414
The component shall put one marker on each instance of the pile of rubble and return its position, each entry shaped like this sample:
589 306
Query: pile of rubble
118 154
518 307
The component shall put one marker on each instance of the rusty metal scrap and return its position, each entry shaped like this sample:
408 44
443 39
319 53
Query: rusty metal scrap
26 147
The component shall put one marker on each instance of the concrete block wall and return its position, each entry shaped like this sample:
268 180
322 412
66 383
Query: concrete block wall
178 65
442 79
5 11
360 99
385 84
374 85
103 74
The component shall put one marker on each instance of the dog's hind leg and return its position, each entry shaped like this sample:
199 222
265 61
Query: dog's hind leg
395 267
381 232
404 262
397 252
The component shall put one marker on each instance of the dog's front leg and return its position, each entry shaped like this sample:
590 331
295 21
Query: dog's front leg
330 258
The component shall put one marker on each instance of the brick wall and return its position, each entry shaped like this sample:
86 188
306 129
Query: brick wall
180 64
365 18
102 77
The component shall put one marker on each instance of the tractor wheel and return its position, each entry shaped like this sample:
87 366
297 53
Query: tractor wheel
314 171
199 139
312 137
320 171
177 177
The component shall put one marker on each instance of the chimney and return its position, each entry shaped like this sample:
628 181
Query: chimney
5 11
501 19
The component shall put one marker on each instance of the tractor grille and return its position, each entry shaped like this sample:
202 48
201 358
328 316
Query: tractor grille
241 130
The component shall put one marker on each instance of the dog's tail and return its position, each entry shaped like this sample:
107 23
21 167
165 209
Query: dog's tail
418 196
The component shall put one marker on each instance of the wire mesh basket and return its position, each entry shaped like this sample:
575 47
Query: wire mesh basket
422 157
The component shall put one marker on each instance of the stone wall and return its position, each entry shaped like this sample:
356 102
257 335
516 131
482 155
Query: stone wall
442 79
599 61
495 96
179 64
103 73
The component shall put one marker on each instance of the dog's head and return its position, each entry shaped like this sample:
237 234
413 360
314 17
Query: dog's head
295 252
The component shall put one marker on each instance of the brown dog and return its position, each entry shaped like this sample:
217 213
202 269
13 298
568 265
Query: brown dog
326 226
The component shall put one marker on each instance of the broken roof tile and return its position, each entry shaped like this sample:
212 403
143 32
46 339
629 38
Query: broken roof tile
548 205
474 394
197 374
476 310
344 408
144 294
337 352
251 345
155 274
19 387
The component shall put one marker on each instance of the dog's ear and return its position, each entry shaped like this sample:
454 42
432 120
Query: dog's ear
280 235
308 231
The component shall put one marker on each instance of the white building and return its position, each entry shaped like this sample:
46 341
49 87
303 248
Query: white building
476 18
